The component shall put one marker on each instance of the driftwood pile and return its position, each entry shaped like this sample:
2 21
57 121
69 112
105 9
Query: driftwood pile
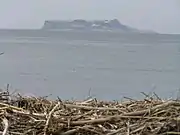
39 116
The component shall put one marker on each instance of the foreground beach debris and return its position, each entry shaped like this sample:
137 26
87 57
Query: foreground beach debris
39 116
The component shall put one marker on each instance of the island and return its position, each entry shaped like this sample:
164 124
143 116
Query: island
84 25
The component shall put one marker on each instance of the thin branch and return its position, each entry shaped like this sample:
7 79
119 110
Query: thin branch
6 126
49 117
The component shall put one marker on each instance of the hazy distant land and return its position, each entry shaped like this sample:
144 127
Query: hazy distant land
96 25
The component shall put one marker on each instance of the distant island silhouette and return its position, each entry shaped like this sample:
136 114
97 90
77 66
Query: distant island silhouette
84 25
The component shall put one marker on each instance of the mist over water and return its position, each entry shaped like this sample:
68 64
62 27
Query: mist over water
69 64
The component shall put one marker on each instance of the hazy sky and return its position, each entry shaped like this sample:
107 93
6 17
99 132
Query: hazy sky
159 15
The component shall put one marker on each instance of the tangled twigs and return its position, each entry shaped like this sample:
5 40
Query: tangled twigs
39 116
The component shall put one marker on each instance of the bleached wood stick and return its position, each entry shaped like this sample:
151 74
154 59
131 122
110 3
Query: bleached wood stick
6 126
49 117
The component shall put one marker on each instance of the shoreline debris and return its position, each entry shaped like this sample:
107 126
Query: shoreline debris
39 116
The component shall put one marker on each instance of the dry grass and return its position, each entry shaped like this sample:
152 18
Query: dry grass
39 116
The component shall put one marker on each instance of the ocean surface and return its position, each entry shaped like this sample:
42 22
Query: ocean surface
106 65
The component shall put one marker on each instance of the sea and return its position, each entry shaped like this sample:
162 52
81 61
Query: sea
79 64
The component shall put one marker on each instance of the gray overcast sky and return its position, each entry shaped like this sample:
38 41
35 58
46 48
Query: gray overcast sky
159 15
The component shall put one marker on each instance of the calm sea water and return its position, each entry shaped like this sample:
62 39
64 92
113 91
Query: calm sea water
70 64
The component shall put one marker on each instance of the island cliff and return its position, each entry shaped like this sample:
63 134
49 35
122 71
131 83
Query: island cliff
80 24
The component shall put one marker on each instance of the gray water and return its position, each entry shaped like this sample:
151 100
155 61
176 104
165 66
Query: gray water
70 64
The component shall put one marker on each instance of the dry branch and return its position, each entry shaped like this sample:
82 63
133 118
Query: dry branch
6 126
